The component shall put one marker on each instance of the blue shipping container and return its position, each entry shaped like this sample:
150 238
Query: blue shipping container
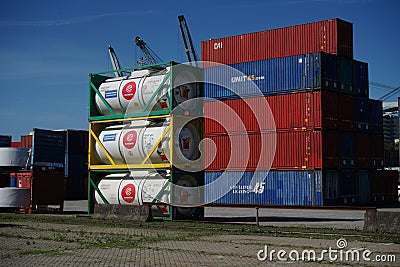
331 187
346 150
364 187
345 74
361 114
360 78
5 141
375 116
272 76
291 188
348 182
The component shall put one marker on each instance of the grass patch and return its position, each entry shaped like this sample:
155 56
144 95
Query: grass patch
38 252
195 229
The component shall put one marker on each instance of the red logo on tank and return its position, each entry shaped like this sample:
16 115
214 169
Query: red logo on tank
129 90
128 193
129 139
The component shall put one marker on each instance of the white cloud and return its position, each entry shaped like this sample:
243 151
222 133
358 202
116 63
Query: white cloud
68 21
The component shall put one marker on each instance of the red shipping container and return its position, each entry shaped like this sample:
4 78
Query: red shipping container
333 36
24 179
238 116
378 185
295 150
391 189
325 149
300 111
325 110
16 144
345 112
362 151
292 111
239 152
26 141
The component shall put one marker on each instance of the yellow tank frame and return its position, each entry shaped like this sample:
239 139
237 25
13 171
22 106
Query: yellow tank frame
93 139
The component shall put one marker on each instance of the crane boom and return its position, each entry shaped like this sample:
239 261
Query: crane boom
149 56
114 61
390 94
186 37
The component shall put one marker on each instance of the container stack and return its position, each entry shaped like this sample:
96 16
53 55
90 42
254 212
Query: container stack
134 136
57 167
326 131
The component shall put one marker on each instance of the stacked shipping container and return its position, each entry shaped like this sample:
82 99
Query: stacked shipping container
326 130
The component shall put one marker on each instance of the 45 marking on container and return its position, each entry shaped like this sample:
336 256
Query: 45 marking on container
259 187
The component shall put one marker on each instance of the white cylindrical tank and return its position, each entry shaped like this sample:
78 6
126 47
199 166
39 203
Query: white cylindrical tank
131 94
13 197
137 188
109 188
13 157
131 143
110 138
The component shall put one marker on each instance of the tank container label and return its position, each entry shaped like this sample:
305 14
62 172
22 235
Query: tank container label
111 94
129 139
109 137
128 193
129 90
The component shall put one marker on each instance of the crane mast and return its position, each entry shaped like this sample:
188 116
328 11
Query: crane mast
115 62
187 40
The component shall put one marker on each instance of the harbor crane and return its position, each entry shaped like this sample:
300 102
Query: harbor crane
187 41
149 56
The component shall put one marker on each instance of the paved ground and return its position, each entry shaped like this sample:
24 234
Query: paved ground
339 219
43 240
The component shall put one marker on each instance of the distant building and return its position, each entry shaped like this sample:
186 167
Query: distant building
390 128
391 133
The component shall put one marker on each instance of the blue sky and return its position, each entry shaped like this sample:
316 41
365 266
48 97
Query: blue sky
49 47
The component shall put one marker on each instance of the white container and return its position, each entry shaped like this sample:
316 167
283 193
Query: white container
130 94
138 188
13 197
130 144
13 157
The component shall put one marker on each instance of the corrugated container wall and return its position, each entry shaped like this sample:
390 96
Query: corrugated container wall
375 116
76 169
295 150
345 74
376 150
331 187
364 187
300 111
26 141
384 186
345 112
48 149
268 188
331 36
272 76
347 150
360 78
16 144
361 114
362 151
5 141
348 182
